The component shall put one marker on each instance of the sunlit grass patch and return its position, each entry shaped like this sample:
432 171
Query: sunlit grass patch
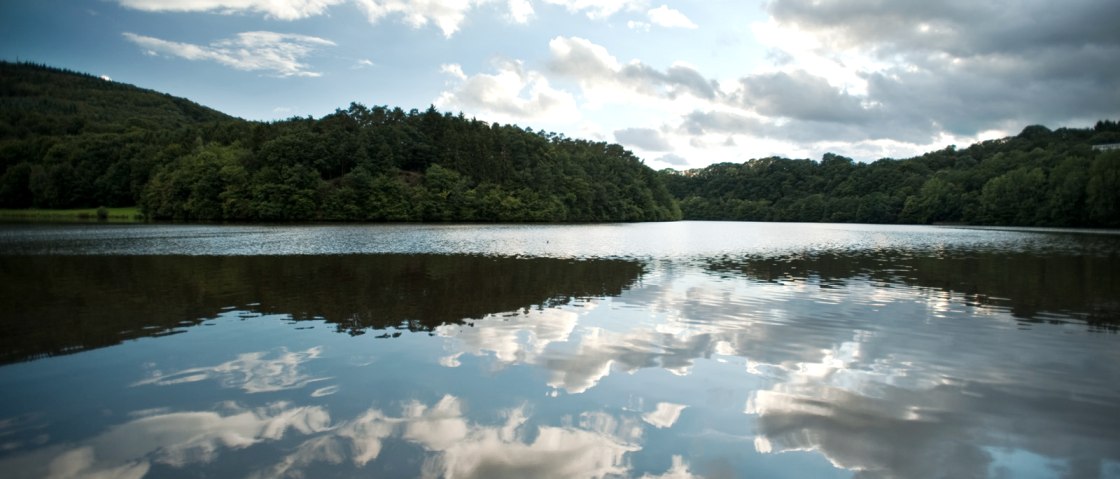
129 214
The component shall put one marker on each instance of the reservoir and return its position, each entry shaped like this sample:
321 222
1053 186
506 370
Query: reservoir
645 350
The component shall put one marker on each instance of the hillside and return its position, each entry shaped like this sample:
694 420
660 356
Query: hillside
44 101
73 140
69 139
1037 178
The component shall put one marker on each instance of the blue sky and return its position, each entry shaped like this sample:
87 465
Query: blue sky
681 83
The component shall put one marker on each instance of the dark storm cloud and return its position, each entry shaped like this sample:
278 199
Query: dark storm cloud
964 66
959 27
801 96
645 138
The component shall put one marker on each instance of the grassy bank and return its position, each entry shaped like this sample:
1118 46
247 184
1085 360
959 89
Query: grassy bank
129 214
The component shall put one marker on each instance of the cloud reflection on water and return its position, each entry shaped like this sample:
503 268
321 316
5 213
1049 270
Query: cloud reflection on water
174 439
254 372
594 446
885 366
933 386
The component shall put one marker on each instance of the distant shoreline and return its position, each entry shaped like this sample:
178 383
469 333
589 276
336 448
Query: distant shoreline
130 214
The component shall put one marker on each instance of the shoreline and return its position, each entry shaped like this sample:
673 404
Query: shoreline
130 214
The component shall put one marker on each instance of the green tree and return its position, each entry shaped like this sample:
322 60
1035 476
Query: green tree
937 201
1014 198
1103 191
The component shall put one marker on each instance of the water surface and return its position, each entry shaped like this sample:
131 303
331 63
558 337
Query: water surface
641 350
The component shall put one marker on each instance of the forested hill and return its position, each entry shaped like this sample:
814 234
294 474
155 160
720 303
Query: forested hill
1037 178
74 140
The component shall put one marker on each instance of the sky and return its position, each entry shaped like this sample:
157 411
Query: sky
683 84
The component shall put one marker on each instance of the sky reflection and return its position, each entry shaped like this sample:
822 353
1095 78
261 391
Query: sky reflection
594 446
856 392
255 372
834 360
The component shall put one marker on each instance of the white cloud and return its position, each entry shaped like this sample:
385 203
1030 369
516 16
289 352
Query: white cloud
582 59
281 9
447 15
859 77
520 11
599 9
595 68
281 54
511 94
669 18
453 69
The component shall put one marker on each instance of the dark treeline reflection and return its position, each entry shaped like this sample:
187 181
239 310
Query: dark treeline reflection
57 305
1034 287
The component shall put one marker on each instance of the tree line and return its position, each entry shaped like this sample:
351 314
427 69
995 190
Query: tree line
73 140
1040 177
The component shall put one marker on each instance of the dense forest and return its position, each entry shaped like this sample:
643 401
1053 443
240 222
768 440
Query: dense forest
73 140
69 140
1037 178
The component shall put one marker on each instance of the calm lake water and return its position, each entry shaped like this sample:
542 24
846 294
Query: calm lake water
675 350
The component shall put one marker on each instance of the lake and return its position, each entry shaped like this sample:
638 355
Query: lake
668 350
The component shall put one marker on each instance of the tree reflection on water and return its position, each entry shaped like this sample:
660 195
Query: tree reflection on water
62 304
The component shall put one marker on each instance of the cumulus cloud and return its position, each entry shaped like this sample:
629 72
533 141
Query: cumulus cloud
645 138
281 54
520 11
281 9
512 93
592 65
792 106
447 15
669 18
